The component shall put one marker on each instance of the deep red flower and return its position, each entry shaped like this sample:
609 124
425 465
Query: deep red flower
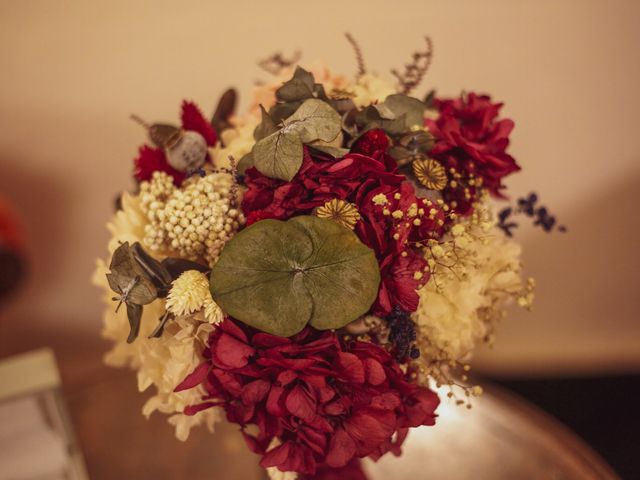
472 139
372 183
12 234
371 143
352 471
152 159
322 401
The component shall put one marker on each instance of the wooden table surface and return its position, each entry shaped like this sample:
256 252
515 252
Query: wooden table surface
502 437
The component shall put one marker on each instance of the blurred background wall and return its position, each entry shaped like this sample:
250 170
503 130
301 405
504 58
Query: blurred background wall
72 72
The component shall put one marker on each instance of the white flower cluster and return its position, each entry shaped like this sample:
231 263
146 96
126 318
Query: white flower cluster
190 293
161 363
192 222
476 270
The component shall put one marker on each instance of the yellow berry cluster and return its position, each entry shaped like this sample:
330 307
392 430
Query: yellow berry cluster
194 221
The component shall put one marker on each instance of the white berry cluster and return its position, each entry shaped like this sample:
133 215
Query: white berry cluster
193 221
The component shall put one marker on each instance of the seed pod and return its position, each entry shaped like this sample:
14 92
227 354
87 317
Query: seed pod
188 153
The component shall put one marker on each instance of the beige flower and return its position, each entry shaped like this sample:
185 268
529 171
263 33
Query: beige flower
189 293
476 271
161 363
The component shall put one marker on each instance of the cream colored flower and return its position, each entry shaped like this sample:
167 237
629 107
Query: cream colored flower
237 140
189 293
212 312
161 363
194 221
370 89
475 273
275 474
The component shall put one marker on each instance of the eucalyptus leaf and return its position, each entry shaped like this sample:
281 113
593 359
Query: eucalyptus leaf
134 315
319 92
177 266
315 120
370 118
281 111
300 87
266 127
157 332
398 152
412 108
280 276
335 152
279 155
384 112
396 115
128 278
245 163
154 270
429 98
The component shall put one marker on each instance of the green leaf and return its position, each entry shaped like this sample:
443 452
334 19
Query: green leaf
429 98
301 86
319 92
157 332
315 120
335 152
279 155
245 163
154 270
281 111
128 279
266 127
412 108
397 114
384 112
134 315
279 276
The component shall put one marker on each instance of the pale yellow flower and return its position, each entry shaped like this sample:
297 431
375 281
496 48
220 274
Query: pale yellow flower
475 273
237 140
369 89
189 293
161 363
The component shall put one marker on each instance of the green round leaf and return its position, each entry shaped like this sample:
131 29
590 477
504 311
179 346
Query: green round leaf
279 155
315 120
278 276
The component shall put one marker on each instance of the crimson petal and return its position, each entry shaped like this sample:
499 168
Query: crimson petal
192 119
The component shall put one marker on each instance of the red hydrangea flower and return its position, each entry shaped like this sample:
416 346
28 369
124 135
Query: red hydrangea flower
352 471
321 401
472 139
152 159
360 179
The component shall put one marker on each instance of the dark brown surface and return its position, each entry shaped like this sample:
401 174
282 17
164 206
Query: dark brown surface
500 438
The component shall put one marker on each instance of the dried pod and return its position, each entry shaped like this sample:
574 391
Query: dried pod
344 213
430 173
163 135
188 153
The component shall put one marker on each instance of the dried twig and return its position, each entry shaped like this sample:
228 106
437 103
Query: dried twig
358 51
276 62
415 71
233 171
